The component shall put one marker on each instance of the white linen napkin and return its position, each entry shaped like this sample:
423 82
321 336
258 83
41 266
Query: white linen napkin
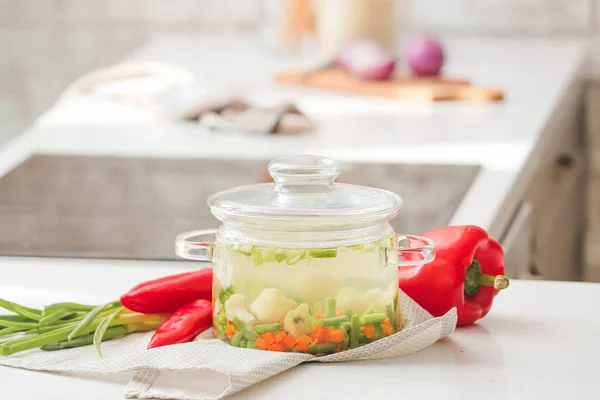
208 368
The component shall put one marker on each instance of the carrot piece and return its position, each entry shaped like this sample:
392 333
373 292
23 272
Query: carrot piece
324 335
260 343
313 334
303 342
289 341
369 331
229 331
338 349
339 314
318 315
280 336
336 336
276 347
268 338
388 330
320 334
386 321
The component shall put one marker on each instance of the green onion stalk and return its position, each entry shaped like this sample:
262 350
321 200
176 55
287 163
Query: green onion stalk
68 325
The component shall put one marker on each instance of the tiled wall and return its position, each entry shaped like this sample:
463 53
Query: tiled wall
47 43
538 17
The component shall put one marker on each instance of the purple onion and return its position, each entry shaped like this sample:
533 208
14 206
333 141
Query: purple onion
425 56
367 60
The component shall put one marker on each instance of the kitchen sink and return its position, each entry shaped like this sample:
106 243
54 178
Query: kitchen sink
109 207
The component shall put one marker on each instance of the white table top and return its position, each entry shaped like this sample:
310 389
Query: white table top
501 137
540 341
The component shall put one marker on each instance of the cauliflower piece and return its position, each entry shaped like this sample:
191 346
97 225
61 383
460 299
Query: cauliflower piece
375 298
246 317
387 297
347 299
298 321
271 306
236 301
236 306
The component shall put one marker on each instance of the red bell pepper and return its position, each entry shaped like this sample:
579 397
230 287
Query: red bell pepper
467 273
167 294
184 324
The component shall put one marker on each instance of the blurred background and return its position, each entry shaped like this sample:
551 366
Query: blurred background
95 171
47 44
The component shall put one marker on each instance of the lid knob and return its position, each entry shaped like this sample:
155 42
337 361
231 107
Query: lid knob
303 174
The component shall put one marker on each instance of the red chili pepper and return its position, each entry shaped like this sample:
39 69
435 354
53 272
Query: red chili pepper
184 324
167 294
467 273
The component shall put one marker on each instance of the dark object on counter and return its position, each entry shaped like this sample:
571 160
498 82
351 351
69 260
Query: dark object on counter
239 116
184 324
166 295
467 273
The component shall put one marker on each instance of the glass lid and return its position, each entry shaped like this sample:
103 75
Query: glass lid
304 189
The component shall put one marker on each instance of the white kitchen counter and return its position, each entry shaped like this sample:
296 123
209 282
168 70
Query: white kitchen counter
504 138
540 341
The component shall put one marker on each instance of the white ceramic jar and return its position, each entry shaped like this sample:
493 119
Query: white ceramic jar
339 21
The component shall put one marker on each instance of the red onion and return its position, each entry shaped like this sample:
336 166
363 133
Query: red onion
356 49
425 56
367 60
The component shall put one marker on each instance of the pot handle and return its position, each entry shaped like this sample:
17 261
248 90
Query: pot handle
195 249
410 250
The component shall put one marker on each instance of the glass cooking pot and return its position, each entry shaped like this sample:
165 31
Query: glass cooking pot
304 264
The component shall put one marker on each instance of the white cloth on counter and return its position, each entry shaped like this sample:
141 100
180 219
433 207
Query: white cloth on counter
208 368
131 82
173 93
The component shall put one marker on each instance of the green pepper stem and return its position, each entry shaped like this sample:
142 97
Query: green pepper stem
499 282
474 279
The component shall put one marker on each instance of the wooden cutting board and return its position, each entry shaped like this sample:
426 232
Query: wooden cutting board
402 86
